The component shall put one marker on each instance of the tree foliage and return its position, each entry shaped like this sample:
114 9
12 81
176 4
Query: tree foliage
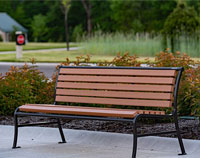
182 22
39 27
107 16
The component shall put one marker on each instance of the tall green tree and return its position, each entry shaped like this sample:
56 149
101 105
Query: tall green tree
65 6
30 9
107 15
101 16
182 22
56 31
39 27
77 20
123 15
158 13
140 16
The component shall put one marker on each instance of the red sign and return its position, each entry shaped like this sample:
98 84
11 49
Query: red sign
20 39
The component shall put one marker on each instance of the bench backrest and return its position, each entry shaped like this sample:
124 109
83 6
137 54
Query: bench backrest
129 86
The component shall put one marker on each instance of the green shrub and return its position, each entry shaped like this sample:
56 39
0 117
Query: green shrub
189 88
24 85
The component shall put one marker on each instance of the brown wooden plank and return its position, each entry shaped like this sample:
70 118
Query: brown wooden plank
85 107
111 101
107 86
152 80
80 111
89 111
134 72
115 94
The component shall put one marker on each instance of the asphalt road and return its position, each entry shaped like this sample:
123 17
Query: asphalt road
47 68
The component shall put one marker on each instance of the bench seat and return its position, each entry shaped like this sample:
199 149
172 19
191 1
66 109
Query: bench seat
87 111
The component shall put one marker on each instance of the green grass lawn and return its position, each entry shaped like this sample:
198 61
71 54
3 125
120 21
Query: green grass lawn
60 56
54 56
11 46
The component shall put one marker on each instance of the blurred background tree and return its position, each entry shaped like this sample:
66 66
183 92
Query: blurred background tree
39 27
182 23
145 18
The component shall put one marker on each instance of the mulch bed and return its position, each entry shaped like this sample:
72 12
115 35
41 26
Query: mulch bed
190 128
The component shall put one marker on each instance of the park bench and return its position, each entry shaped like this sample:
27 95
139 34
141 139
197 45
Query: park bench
124 94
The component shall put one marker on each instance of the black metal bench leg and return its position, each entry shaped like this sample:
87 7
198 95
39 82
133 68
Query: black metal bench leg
61 132
134 141
179 136
15 131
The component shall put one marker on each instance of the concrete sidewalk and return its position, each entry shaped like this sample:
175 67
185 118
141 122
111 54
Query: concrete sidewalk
40 142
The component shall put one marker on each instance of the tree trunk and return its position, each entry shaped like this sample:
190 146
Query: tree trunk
137 36
197 43
179 43
172 44
89 21
65 6
164 42
88 7
66 30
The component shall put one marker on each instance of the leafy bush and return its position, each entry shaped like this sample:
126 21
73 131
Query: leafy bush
189 88
24 85
125 60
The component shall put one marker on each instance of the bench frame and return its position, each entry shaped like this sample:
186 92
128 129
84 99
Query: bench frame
173 115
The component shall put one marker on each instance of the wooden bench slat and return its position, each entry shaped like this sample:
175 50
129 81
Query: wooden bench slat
79 111
117 94
118 72
150 80
111 101
90 111
86 107
107 86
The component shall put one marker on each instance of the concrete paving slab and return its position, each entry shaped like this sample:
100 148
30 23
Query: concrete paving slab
40 142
